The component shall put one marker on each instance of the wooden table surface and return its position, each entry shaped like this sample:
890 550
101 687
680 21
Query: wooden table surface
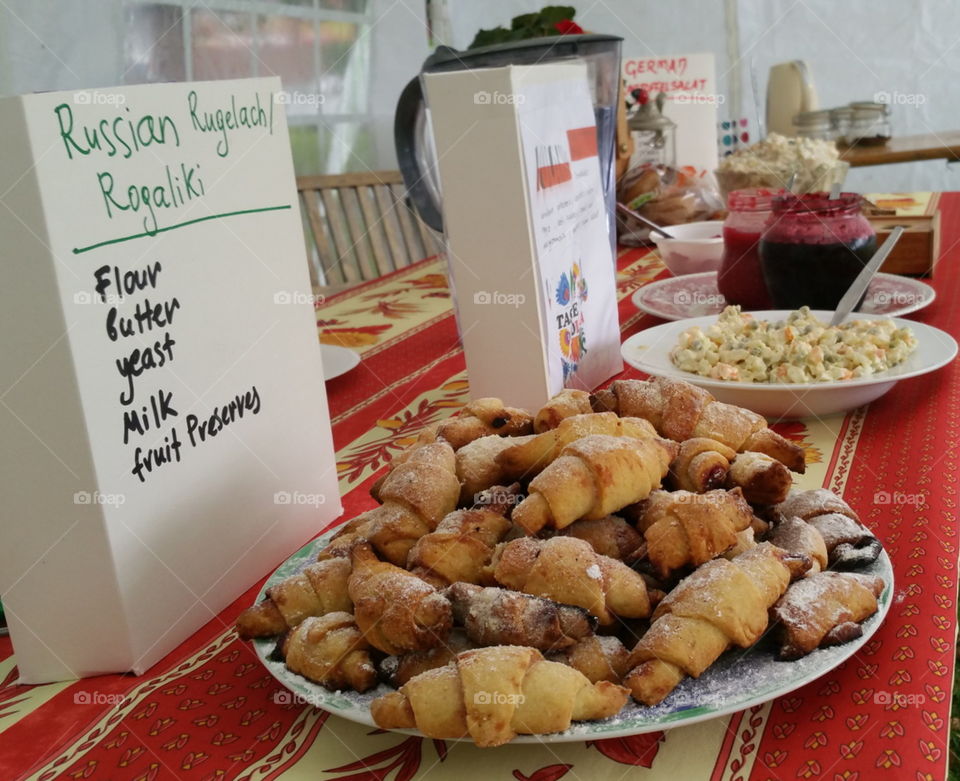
905 149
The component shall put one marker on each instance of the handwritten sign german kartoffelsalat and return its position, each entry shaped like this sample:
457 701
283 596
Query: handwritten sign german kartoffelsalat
163 410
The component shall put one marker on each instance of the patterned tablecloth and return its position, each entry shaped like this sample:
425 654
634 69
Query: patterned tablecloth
210 710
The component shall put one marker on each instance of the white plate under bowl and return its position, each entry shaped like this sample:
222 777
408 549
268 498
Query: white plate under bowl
696 295
337 360
739 679
649 351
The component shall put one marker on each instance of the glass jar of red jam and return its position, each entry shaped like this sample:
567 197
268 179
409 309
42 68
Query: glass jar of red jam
740 278
813 248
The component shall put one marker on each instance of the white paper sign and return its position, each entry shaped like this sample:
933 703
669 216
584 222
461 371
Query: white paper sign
690 83
165 425
527 244
559 137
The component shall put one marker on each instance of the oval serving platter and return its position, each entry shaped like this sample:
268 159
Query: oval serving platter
739 679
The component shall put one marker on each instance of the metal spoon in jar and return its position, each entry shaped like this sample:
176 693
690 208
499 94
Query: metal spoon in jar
866 275
649 223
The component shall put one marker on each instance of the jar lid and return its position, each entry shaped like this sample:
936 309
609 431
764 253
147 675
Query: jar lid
649 120
650 116
819 203
869 108
812 118
841 111
753 199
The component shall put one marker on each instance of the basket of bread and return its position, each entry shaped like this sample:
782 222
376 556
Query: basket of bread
666 196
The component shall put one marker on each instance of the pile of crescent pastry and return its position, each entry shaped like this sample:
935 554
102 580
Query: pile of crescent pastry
522 572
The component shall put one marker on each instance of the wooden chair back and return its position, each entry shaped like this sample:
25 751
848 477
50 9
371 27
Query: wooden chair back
361 227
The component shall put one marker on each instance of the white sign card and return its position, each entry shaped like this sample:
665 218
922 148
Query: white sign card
690 83
527 241
166 433
559 137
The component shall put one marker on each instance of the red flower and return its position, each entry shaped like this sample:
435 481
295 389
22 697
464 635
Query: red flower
568 27
638 750
404 757
548 773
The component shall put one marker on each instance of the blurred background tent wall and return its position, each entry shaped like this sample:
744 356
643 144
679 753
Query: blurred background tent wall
857 49
344 62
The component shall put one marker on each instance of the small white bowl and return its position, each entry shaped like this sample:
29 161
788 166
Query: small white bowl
696 247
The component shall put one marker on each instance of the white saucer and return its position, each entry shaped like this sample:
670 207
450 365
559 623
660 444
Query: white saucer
696 295
337 360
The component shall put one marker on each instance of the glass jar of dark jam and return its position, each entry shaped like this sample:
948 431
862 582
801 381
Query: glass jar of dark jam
813 248
740 278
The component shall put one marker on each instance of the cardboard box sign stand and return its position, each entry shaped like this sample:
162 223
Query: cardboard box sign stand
166 439
527 240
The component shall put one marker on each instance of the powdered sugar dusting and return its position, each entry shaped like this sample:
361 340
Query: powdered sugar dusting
739 679
484 612
609 643
836 528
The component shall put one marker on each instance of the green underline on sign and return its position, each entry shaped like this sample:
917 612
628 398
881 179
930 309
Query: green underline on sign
80 250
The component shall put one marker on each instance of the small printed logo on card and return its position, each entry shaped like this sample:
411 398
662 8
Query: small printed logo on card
571 293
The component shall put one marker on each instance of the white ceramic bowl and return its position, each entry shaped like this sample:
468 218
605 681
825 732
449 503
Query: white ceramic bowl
649 351
695 248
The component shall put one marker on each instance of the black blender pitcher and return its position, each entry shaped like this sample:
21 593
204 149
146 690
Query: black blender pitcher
411 128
